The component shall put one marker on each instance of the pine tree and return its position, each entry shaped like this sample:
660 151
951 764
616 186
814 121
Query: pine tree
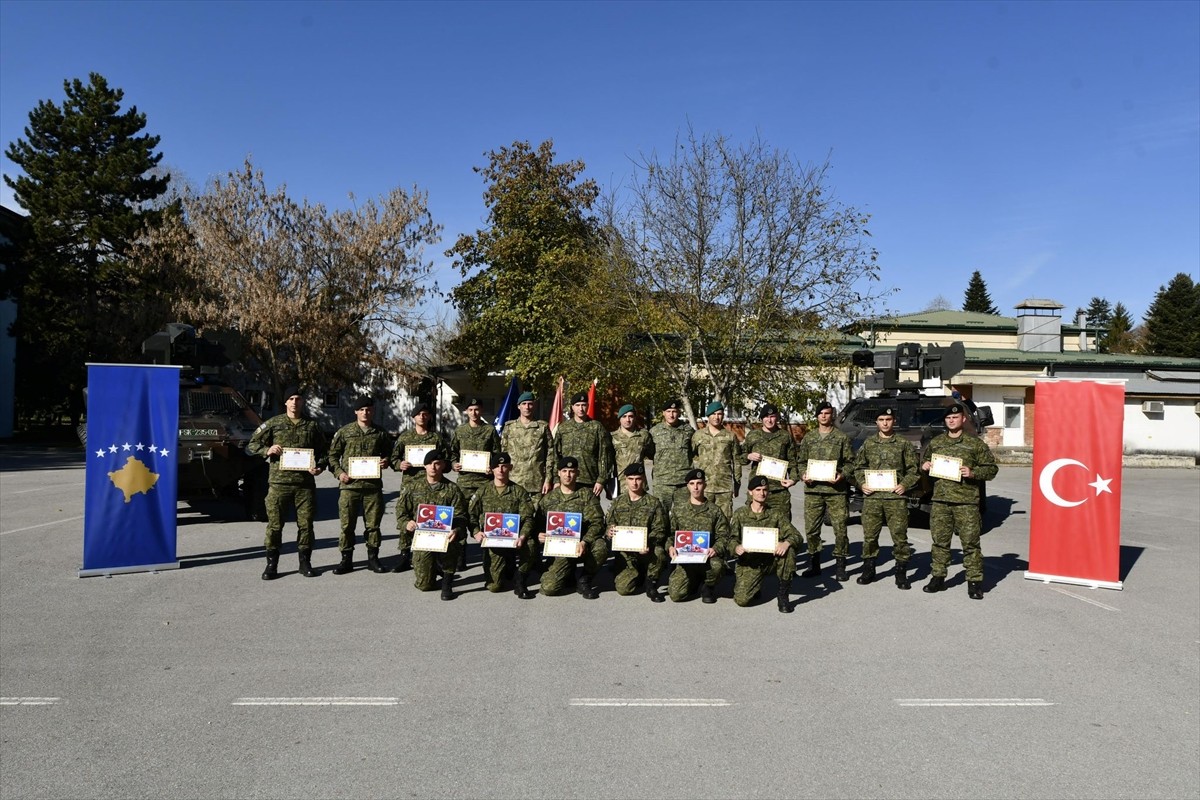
976 298
1120 337
1098 313
87 185
1171 328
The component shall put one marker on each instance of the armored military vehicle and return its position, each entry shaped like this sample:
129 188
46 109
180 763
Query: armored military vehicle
215 421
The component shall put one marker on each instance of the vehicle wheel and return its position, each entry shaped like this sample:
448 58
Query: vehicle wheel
254 495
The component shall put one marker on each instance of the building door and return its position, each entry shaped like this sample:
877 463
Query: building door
1014 422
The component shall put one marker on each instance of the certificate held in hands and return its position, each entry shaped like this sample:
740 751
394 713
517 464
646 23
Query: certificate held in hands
945 467
774 468
630 539
363 467
691 547
434 526
564 532
822 471
297 459
760 540
476 461
501 530
415 454
880 480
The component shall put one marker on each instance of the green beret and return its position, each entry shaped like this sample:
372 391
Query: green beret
525 396
714 407
625 409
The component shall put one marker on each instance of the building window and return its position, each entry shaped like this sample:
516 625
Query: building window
331 400
1012 413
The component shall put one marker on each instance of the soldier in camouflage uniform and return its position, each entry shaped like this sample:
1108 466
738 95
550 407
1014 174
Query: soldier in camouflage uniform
630 445
634 508
773 442
671 451
698 513
502 496
886 451
284 487
751 568
434 490
719 454
531 446
474 435
826 443
956 503
568 495
421 434
361 438
585 440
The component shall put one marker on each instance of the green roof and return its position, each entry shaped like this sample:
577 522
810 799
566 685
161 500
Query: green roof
969 320
990 355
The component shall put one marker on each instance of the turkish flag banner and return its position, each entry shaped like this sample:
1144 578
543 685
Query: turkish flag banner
1075 517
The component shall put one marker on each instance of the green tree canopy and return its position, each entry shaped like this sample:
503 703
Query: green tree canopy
976 298
1120 336
1171 327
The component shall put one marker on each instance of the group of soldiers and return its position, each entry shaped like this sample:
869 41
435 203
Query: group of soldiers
696 477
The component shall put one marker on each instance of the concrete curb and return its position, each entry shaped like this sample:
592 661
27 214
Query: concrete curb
1023 457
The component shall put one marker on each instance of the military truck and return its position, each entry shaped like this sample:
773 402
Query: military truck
919 416
215 421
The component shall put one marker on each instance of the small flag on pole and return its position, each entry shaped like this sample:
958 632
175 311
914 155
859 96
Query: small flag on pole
508 409
556 409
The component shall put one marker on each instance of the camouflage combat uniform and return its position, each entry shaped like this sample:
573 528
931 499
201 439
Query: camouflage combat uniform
823 496
752 568
687 516
467 437
636 568
671 452
777 444
510 499
532 451
956 505
353 441
896 453
591 445
720 456
629 448
287 486
442 493
557 577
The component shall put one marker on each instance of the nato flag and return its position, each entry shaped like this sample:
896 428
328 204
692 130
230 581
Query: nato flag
130 483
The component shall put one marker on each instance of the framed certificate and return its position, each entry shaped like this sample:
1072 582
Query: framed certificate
880 480
824 471
691 547
689 558
945 467
415 454
360 467
500 542
629 539
297 459
760 540
775 468
561 547
431 541
476 461
501 530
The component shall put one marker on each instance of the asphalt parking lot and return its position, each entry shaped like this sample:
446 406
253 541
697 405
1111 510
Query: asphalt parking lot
208 682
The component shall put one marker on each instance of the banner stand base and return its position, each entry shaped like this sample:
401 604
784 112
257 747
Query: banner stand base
106 571
1091 584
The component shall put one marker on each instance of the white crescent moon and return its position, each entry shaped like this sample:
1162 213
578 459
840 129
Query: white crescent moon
1046 481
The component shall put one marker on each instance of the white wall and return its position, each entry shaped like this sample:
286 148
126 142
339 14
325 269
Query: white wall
1176 430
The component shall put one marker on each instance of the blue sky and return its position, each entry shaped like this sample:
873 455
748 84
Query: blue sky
1055 147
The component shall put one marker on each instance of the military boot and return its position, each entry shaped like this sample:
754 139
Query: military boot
587 588
936 584
373 560
346 564
447 590
782 598
814 567
975 590
652 590
405 561
902 577
462 559
521 586
840 572
708 594
306 568
272 570
868 573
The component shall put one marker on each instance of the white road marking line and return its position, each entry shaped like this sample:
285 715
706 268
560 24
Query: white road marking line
29 701
40 525
657 703
967 701
1084 599
46 488
316 701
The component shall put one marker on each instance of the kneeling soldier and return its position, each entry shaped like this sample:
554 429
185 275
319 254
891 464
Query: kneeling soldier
593 547
634 508
360 439
753 567
502 496
437 491
698 513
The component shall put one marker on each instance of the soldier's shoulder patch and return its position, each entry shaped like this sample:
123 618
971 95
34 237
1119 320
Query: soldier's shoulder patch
261 428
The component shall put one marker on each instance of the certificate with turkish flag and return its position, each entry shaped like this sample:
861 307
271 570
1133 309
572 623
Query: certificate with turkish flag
501 530
434 524
1075 517
691 547
564 531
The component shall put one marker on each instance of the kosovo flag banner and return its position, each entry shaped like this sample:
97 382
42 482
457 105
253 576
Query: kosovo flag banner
130 484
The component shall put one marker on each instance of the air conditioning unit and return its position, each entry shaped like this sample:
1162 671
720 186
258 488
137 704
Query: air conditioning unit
1152 407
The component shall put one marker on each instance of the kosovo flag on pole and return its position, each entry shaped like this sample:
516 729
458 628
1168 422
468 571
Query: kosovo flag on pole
131 478
508 409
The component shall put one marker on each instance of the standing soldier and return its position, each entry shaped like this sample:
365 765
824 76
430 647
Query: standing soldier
751 568
956 502
634 508
698 513
719 454
886 451
826 443
773 442
585 440
361 438
479 436
529 443
420 435
568 495
671 451
286 486
437 491
502 496
630 445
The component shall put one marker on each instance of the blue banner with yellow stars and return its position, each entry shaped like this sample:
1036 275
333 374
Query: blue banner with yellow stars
131 479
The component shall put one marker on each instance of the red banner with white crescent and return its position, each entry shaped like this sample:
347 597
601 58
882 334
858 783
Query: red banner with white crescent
1075 517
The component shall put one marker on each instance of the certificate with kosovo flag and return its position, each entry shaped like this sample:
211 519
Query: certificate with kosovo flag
130 481
564 531
434 526
501 530
691 547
